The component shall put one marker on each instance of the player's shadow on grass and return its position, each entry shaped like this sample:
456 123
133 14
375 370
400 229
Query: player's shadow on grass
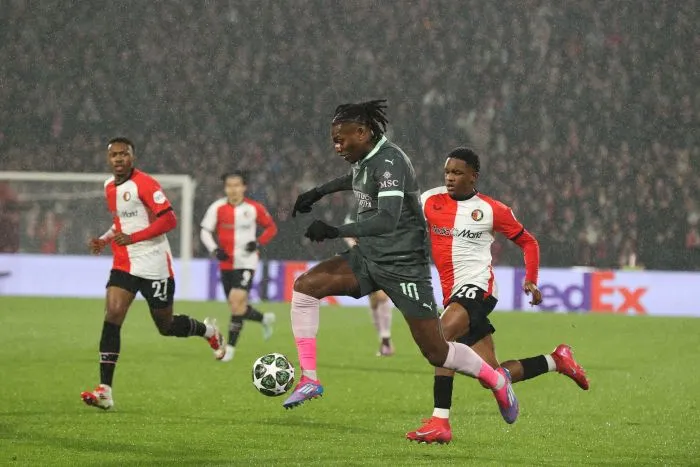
595 368
307 423
85 444
426 369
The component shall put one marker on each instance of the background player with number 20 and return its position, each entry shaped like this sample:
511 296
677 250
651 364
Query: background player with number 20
234 219
142 216
462 223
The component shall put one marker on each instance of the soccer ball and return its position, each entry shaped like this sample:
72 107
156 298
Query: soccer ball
273 374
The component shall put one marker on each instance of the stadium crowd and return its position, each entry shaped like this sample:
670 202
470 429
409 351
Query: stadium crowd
585 113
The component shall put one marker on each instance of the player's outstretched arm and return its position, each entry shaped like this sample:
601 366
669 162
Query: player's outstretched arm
208 225
390 177
531 251
307 199
343 183
96 245
151 194
163 224
384 221
264 220
212 247
504 221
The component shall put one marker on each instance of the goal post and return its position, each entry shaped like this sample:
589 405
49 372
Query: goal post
31 195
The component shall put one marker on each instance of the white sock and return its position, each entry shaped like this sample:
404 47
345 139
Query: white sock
374 311
464 360
310 374
441 413
500 384
385 311
551 364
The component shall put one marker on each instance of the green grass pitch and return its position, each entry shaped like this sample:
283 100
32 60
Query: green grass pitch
176 405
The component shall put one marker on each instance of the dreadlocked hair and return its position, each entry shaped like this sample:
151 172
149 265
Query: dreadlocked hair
369 113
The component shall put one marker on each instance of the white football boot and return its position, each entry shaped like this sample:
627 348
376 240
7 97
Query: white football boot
216 341
268 323
100 397
228 353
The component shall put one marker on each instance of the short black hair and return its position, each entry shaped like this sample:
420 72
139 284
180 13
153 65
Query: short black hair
468 156
123 140
235 173
369 113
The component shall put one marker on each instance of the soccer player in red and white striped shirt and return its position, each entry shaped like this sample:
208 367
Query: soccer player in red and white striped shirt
142 216
462 223
235 219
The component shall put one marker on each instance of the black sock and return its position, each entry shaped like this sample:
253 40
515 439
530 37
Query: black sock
386 341
442 392
184 326
109 351
251 314
534 366
234 329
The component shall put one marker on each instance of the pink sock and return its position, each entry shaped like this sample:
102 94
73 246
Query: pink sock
464 360
384 315
305 318
489 376
306 348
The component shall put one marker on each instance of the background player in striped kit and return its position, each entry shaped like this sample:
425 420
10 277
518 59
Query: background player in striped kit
462 223
142 215
380 307
234 219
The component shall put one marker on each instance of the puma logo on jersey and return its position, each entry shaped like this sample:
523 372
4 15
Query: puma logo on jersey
389 161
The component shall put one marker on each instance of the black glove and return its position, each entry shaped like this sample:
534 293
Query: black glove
251 246
221 254
305 201
319 231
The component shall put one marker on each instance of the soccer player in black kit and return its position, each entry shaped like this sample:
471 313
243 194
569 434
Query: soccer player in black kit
393 254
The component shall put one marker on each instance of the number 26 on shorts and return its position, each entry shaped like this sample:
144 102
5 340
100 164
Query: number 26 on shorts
468 291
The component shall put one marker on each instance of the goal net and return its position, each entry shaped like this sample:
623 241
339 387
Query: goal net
57 212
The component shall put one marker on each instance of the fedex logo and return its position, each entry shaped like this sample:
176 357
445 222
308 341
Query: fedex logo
591 291
607 297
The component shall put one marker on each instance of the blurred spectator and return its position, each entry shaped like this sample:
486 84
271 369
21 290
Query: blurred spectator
586 113
9 220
